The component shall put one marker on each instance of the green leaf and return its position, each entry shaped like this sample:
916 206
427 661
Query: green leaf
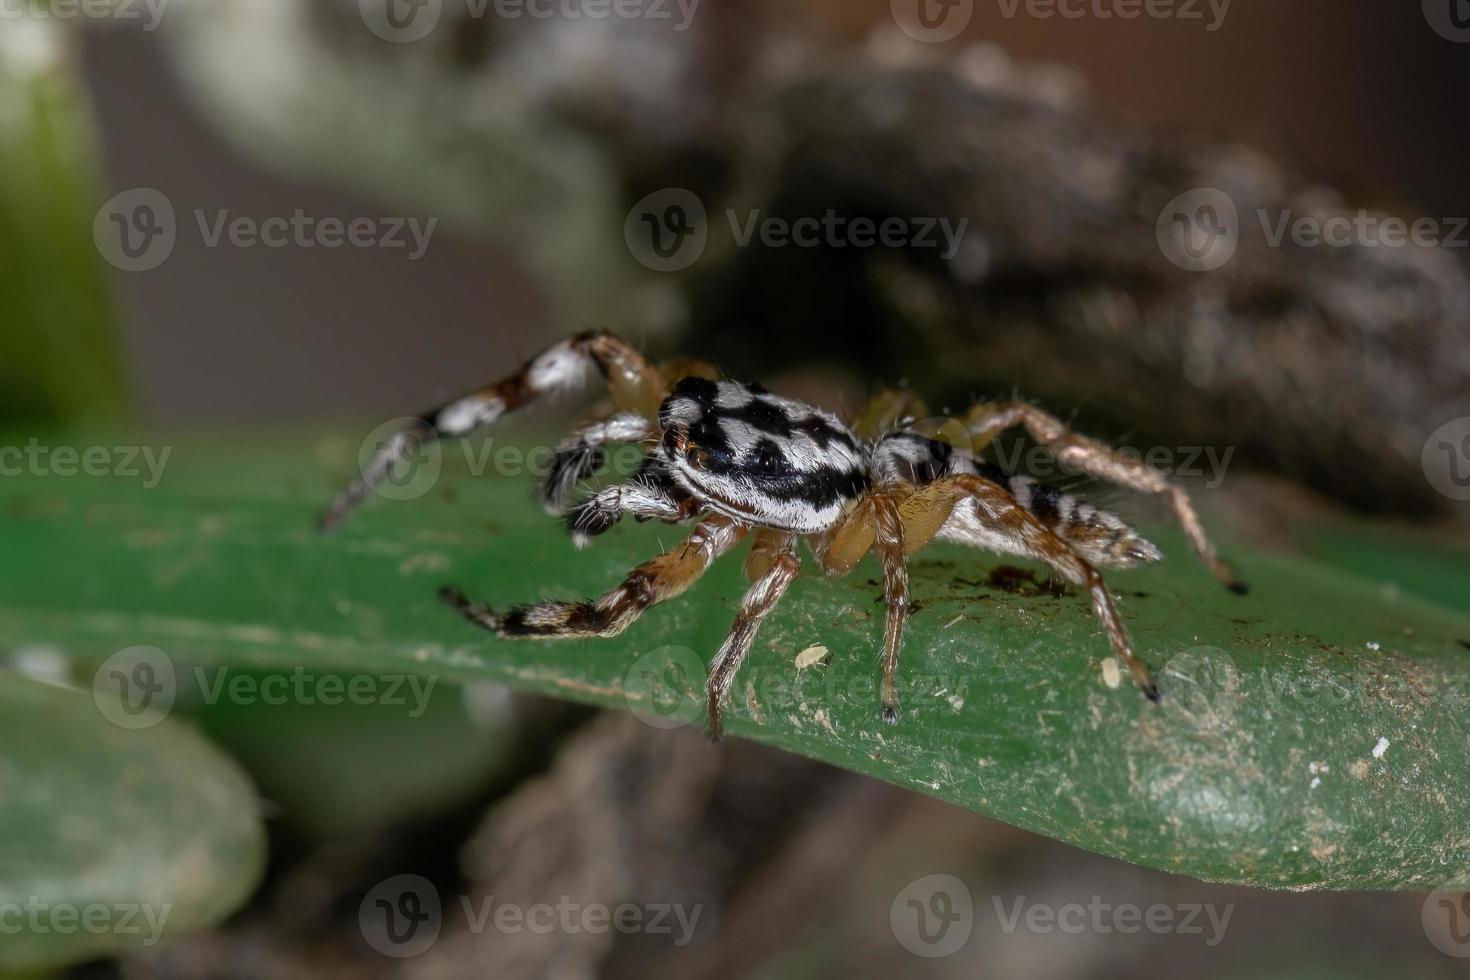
112 838
1312 735
58 353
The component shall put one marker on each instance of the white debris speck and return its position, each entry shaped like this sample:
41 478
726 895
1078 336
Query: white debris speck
812 656
1374 646
1316 781
47 664
1316 768
957 619
956 702
1380 748
1112 674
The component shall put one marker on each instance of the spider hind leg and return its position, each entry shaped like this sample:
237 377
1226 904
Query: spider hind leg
986 421
1011 529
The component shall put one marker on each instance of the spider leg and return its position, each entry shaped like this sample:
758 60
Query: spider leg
876 524
636 386
985 422
1012 529
582 453
661 578
650 496
889 543
779 565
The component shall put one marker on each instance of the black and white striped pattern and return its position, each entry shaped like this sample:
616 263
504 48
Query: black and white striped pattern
767 461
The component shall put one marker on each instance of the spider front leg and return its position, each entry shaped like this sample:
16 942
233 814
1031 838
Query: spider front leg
877 524
1020 533
656 580
985 422
636 386
773 558
583 452
650 496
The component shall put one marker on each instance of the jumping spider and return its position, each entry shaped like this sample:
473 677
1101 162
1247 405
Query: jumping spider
749 463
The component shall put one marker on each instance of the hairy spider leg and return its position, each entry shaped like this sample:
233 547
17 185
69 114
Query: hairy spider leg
635 385
1017 531
778 565
583 452
876 524
987 421
656 580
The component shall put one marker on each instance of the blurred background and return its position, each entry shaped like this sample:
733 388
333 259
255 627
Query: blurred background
518 177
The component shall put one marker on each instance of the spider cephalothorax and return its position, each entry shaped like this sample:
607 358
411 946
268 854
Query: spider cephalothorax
746 462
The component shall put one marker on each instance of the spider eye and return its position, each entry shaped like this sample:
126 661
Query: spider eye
767 460
711 458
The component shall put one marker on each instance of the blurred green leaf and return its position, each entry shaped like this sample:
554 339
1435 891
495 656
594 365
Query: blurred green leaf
340 765
112 838
1313 733
58 353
